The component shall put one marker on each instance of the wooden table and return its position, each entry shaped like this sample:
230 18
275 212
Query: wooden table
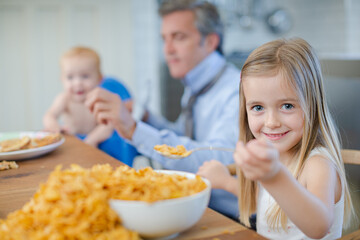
17 186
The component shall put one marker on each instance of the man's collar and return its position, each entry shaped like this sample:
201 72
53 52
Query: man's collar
203 73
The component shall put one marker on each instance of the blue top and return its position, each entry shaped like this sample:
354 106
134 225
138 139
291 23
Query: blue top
115 86
115 145
215 115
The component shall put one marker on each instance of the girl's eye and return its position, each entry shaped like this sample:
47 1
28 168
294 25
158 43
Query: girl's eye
287 106
85 76
257 108
69 77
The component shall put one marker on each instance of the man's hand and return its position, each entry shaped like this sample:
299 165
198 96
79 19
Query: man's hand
108 108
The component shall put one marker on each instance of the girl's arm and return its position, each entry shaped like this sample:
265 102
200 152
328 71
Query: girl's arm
50 119
219 176
309 207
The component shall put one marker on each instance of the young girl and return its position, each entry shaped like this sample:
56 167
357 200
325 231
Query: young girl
290 170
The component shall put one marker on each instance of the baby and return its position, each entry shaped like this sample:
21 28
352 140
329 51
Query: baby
80 73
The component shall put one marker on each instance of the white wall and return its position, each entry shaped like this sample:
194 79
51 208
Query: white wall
147 54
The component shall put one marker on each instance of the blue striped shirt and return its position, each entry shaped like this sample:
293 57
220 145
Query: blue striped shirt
215 115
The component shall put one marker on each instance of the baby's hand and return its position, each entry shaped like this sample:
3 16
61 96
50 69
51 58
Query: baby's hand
258 159
215 172
52 127
65 130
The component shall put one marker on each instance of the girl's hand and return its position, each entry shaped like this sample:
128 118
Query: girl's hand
216 173
108 108
258 159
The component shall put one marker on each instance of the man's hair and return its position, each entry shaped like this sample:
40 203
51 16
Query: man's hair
207 17
80 51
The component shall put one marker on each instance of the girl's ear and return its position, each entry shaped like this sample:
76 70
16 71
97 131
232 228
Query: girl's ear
212 41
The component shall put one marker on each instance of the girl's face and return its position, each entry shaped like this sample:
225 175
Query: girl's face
79 76
274 111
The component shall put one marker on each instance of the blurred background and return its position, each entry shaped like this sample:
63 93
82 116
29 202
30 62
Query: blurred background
126 34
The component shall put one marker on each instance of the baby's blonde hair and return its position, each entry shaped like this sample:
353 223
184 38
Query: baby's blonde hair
80 51
296 61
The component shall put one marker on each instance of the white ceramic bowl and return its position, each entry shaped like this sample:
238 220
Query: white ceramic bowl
166 217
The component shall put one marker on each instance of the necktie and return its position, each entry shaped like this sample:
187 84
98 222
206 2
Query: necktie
188 109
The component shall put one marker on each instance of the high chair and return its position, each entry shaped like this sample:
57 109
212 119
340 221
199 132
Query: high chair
352 157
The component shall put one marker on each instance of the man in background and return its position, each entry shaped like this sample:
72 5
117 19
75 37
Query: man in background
193 34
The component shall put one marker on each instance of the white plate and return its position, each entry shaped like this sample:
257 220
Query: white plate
28 153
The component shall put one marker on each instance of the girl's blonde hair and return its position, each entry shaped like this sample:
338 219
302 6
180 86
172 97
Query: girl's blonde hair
298 64
86 52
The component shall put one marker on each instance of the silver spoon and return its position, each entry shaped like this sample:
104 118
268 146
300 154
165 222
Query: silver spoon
189 152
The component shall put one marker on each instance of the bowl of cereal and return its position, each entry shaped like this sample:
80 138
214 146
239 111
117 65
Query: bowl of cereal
162 203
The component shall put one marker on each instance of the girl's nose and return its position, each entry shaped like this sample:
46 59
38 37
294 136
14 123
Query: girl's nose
272 120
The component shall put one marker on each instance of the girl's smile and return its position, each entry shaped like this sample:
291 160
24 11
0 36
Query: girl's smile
275 136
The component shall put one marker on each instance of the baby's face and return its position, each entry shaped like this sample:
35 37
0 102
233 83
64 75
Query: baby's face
79 76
